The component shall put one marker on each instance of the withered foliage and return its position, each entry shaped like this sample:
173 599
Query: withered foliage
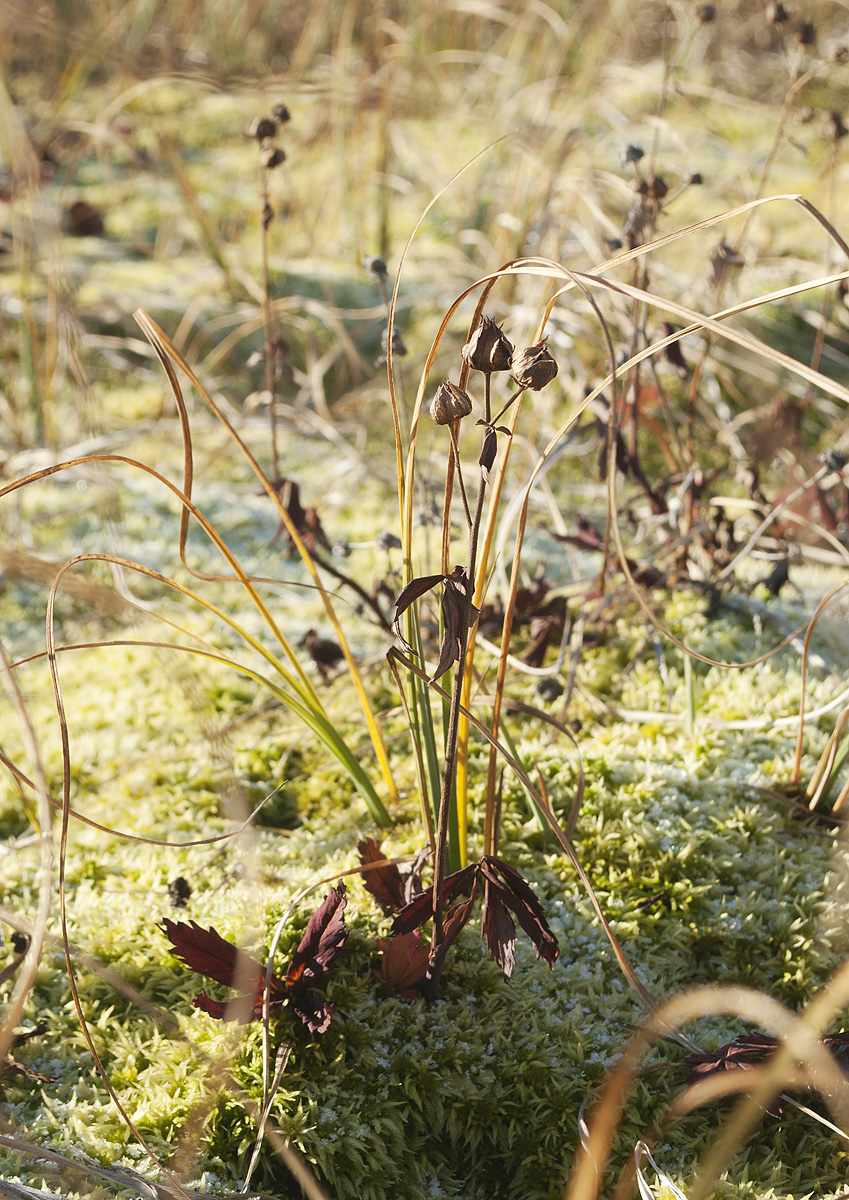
211 955
505 895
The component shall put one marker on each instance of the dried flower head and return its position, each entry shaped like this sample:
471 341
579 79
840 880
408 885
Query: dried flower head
706 13
723 258
693 178
271 157
281 114
839 54
375 265
261 128
399 348
805 33
777 14
834 128
631 154
449 404
488 349
834 459
534 367
657 187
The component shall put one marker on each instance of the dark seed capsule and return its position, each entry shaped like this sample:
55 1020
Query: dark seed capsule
386 540
549 688
693 178
261 128
839 54
488 349
271 157
267 216
631 154
20 941
534 367
449 404
375 264
179 892
281 114
835 460
657 187
706 13
777 14
833 126
805 33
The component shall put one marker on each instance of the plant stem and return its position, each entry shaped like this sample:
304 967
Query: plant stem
438 947
266 319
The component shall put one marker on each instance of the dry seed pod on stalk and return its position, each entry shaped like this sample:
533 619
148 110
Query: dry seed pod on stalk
449 404
488 349
261 128
534 367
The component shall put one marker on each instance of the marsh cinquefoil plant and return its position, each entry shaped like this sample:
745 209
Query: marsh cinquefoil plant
487 352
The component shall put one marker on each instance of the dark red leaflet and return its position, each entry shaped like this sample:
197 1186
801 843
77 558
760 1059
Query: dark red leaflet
385 882
322 943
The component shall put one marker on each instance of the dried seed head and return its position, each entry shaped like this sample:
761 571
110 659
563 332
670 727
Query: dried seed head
805 115
488 349
834 128
261 128
777 14
805 33
271 157
834 459
179 891
640 186
449 404
706 13
534 367
281 114
398 347
375 264
723 258
267 215
657 187
839 54
549 688
631 154
693 178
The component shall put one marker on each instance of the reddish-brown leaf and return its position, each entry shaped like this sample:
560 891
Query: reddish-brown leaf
244 1008
414 589
315 1013
322 943
403 962
453 607
420 909
208 953
385 882
457 917
497 928
517 895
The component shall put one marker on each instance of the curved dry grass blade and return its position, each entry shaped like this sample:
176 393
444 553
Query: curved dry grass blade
390 361
308 704
799 1039
63 904
795 774
158 337
315 718
32 958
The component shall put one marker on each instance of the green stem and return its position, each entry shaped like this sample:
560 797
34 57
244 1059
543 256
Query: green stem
437 946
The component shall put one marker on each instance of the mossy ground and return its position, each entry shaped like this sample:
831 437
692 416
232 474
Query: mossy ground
477 1094
706 878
